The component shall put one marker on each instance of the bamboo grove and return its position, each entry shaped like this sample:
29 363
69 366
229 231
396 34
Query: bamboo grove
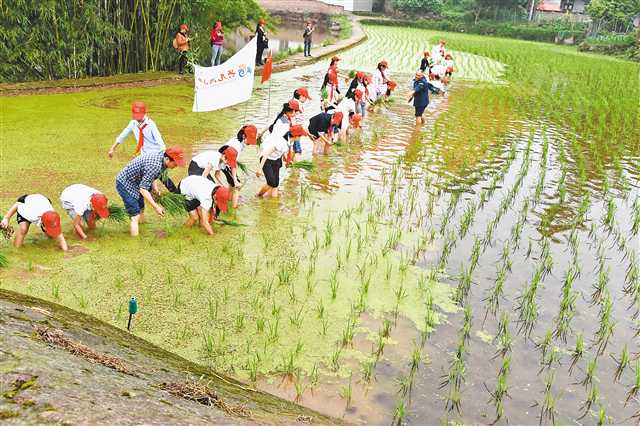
53 39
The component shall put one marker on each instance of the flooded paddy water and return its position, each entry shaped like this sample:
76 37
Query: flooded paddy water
482 268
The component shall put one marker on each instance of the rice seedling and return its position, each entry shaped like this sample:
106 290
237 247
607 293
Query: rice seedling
399 413
173 203
577 352
117 213
304 164
593 395
55 290
367 369
335 358
334 284
567 307
347 392
239 321
635 388
622 363
273 330
548 407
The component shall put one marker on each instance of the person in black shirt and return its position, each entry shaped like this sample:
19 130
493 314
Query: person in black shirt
358 80
321 128
425 63
263 41
307 37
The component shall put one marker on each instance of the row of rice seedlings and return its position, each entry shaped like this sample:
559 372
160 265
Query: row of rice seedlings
455 378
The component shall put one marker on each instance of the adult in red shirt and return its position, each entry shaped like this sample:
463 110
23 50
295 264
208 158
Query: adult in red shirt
217 41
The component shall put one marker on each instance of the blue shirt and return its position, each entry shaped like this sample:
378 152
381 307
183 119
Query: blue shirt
153 141
421 93
141 172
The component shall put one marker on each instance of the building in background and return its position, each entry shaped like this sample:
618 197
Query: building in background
352 5
557 9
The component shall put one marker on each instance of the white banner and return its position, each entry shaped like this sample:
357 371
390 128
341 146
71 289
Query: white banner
226 84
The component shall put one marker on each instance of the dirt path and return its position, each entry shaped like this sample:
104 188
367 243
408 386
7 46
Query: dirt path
300 6
60 366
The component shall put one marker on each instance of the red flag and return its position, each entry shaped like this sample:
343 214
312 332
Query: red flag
268 66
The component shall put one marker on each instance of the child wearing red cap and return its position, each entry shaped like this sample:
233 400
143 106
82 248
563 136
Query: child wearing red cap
359 82
181 44
231 150
217 42
201 194
302 96
321 128
144 129
381 80
83 203
135 180
35 209
329 90
275 148
208 164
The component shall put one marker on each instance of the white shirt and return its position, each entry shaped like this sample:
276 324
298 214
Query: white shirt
276 140
235 144
436 53
199 188
439 70
33 207
448 63
77 197
346 106
153 141
298 118
208 158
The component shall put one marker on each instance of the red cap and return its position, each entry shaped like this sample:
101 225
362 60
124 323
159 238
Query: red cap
358 94
355 120
176 154
218 25
337 118
303 92
138 110
335 58
294 105
448 56
184 27
250 134
427 53
297 131
99 205
51 223
261 21
222 197
231 155
383 62
360 75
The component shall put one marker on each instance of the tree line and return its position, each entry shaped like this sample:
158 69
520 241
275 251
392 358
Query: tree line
53 39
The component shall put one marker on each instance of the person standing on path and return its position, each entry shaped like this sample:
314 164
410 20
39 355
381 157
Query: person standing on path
217 41
181 44
263 41
307 37
135 180
84 204
35 209
420 96
144 129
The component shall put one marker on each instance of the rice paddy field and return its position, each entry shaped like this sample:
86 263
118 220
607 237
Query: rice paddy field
480 270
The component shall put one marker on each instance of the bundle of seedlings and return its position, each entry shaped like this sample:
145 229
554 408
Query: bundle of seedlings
174 204
117 213
7 232
303 164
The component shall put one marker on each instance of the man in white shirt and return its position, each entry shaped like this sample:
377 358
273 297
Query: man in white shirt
201 193
148 137
83 203
35 209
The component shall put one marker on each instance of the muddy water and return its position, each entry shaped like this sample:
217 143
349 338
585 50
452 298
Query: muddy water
390 135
